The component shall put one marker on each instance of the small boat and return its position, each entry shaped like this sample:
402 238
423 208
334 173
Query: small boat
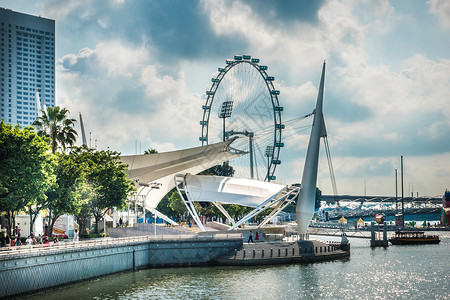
413 237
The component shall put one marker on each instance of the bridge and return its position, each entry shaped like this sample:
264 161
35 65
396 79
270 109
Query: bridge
331 199
369 206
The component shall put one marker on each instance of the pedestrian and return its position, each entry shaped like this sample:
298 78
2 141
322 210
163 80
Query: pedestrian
18 230
39 239
75 235
256 237
45 227
250 237
55 241
120 222
18 242
2 239
29 241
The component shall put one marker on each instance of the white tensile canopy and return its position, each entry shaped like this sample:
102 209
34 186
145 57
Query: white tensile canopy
154 173
229 190
220 190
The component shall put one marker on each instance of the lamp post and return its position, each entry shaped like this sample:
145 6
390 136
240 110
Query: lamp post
269 155
225 112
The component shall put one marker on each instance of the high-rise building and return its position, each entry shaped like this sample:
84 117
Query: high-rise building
27 63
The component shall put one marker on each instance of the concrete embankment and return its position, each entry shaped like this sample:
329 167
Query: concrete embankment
32 270
284 253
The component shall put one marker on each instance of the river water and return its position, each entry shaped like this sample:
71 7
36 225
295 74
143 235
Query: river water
398 272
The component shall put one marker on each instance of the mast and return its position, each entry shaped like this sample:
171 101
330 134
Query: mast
38 104
83 134
307 197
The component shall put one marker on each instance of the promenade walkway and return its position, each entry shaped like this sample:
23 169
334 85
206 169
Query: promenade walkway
284 253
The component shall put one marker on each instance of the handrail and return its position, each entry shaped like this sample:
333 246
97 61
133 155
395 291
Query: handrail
5 251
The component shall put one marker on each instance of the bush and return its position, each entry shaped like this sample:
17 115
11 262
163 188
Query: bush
92 235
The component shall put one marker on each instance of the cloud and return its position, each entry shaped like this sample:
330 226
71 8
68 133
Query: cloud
125 98
441 9
138 70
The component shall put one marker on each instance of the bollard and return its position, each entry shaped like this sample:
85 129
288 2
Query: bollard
293 251
279 252
254 252
262 253
320 249
271 252
244 254
285 252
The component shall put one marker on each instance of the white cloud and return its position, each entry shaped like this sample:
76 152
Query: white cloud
441 9
125 98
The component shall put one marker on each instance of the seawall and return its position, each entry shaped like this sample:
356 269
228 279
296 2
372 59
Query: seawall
32 270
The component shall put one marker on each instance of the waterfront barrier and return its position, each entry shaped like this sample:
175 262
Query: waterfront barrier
24 270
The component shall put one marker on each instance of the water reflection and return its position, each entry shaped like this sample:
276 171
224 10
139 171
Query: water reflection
415 272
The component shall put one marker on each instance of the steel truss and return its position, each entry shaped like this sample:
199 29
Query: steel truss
278 202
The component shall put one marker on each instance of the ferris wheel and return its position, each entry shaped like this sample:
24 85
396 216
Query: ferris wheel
243 102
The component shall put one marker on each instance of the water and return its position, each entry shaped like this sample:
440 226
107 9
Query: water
398 272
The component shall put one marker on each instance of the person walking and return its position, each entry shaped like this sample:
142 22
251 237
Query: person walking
29 241
250 237
2 239
256 237
75 236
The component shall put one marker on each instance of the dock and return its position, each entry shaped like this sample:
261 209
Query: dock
271 253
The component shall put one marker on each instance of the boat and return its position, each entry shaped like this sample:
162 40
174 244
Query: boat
413 237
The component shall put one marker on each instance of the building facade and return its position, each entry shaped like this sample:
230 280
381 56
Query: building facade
27 64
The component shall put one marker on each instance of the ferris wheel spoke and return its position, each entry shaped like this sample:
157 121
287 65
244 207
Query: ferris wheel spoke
254 115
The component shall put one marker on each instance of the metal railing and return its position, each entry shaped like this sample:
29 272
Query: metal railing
63 245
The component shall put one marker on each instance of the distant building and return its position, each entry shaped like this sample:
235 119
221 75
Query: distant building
27 63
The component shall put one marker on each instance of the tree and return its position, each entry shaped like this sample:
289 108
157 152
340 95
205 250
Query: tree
150 151
55 124
104 172
62 196
220 170
177 205
26 168
86 194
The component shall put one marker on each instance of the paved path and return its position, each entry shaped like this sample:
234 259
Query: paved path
284 253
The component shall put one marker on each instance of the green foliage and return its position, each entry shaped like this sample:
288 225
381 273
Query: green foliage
150 151
220 170
26 167
164 205
55 124
62 196
93 235
176 204
104 172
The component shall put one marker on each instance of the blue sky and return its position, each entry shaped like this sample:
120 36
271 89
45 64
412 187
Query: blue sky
138 71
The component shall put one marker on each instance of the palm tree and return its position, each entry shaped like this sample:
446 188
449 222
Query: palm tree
150 151
55 124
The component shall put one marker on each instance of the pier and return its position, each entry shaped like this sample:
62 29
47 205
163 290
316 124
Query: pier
285 253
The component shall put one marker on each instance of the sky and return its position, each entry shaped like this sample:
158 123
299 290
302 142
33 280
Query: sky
138 70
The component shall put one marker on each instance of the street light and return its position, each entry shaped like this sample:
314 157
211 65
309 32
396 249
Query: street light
225 112
269 155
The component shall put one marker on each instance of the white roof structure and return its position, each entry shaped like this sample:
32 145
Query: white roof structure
154 173
229 190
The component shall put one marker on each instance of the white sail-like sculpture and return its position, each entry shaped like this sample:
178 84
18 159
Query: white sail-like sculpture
307 197
38 104
154 173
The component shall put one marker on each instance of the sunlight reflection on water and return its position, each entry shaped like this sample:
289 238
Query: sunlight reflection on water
400 272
